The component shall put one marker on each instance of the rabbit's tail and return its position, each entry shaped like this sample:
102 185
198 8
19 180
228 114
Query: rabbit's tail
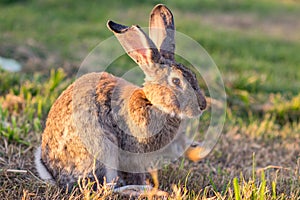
40 167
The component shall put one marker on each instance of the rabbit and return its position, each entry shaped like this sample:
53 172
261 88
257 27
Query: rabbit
99 113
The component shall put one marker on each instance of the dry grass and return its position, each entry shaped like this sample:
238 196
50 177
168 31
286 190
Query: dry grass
246 150
212 177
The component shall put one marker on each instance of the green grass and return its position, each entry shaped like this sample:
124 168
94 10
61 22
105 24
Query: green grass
260 69
81 26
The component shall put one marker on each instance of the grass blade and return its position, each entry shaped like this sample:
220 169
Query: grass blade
236 188
262 189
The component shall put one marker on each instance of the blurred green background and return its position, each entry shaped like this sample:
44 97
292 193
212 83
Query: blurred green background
254 39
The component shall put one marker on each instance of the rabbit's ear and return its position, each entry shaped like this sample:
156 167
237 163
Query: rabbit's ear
137 45
162 30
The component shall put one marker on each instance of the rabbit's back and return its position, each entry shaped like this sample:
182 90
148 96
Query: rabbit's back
64 153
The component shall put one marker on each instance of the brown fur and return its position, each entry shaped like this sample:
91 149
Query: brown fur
100 116
138 108
164 96
61 147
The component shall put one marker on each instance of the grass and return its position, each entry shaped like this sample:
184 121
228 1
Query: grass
255 45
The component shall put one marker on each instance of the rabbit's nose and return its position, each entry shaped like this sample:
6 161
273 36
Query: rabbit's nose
202 103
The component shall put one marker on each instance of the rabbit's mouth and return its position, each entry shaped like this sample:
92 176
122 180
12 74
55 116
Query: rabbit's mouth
197 114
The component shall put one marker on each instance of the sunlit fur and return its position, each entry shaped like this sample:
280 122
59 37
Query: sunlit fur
100 113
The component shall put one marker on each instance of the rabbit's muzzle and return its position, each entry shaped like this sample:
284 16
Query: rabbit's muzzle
201 101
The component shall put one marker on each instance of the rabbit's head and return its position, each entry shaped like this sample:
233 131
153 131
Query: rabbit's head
169 86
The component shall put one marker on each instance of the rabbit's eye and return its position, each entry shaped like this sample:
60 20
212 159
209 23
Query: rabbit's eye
176 81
